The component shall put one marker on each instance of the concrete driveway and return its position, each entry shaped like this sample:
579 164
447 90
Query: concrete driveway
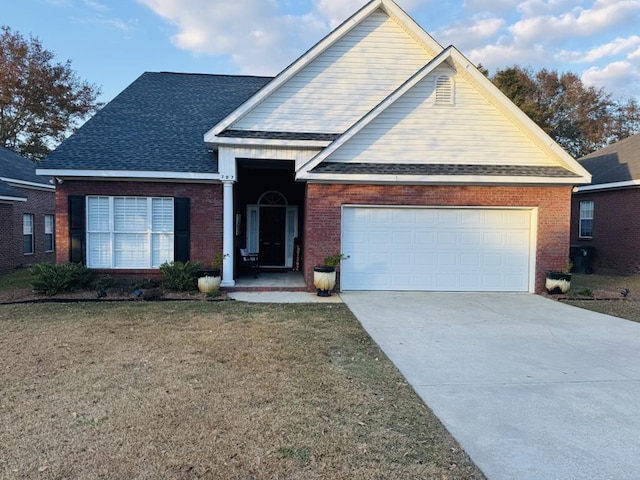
531 388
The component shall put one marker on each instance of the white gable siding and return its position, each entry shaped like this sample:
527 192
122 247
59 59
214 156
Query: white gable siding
227 156
344 82
415 129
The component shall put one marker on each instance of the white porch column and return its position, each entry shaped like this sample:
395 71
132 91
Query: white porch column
228 232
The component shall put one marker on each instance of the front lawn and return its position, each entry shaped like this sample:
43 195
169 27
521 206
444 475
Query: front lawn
226 390
611 294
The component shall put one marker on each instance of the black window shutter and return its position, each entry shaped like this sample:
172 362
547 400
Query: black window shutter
77 231
181 229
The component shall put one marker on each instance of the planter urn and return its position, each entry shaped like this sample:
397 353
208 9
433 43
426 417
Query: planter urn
558 282
324 279
209 281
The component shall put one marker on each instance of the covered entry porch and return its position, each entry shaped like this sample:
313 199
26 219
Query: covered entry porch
267 219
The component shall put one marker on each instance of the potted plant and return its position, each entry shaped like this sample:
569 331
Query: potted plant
559 281
324 276
210 278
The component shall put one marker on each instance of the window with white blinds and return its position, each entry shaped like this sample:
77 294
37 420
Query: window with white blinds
129 232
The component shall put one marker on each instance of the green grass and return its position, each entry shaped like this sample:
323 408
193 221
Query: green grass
16 279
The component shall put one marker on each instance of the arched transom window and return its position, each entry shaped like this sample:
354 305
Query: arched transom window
272 198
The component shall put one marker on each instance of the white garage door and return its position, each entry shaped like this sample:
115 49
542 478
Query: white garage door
437 249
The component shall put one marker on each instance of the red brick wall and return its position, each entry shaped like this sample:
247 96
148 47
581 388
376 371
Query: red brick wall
323 211
616 230
206 212
39 203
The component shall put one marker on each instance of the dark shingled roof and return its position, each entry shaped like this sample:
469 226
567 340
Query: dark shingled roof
619 162
9 191
442 169
16 167
325 137
156 124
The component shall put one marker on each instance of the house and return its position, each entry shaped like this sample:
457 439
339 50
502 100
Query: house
606 214
377 142
27 213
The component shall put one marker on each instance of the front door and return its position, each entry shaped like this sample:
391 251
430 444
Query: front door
272 236
272 227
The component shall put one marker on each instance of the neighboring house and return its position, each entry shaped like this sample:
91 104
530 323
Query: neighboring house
377 142
606 214
27 208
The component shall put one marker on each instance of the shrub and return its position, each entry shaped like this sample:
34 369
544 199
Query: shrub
181 277
51 279
104 282
145 283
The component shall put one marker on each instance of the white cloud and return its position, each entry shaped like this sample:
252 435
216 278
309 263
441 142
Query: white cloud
337 11
617 47
256 34
619 77
497 56
468 35
579 22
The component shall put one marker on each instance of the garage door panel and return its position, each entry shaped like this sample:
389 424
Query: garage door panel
436 249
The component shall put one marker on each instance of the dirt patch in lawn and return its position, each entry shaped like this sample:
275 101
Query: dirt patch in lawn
227 390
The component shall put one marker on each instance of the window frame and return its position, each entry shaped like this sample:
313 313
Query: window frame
26 233
49 233
586 214
152 242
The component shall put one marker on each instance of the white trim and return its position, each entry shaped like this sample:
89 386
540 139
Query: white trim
13 199
607 186
388 6
268 142
228 219
121 174
432 179
13 181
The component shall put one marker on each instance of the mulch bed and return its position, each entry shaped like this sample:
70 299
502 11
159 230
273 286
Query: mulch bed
27 295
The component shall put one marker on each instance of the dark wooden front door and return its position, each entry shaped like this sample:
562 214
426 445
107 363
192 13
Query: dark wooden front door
272 236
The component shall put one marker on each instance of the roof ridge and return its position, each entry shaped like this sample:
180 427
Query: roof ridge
229 75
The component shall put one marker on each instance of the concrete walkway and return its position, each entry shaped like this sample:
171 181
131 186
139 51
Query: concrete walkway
531 388
283 297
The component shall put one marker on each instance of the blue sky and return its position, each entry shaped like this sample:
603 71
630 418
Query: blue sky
111 42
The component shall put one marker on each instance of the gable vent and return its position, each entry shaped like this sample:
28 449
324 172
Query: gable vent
444 90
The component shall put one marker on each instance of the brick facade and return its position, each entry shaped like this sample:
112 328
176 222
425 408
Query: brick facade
206 213
616 230
39 203
324 202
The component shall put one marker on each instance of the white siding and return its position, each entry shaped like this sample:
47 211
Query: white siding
344 82
415 129
227 156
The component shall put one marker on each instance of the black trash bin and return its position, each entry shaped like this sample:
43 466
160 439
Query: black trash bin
581 257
